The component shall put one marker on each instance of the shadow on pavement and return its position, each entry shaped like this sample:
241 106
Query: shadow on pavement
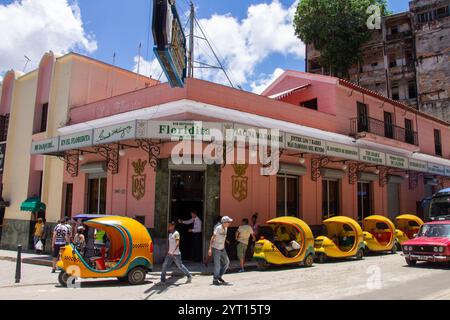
159 288
430 265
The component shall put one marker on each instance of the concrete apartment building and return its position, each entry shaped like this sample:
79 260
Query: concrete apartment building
408 59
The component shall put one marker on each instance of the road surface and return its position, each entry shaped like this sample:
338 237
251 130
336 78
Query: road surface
375 277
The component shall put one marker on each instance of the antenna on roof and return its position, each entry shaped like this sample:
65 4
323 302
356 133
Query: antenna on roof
114 59
139 58
194 23
26 63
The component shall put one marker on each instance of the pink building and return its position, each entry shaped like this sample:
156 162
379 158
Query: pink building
345 151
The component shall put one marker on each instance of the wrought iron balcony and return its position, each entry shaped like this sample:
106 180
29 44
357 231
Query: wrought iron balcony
4 123
383 129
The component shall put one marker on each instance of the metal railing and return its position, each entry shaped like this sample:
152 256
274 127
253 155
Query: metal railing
384 129
4 124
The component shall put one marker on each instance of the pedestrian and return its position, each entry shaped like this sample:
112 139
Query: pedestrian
38 235
69 227
80 240
243 235
196 231
60 239
174 255
218 252
255 224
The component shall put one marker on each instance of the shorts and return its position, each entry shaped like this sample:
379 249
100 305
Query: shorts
241 250
55 253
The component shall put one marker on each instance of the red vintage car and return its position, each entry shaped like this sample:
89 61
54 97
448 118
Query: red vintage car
432 244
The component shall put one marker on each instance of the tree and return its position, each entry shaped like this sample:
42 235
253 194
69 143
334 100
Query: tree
337 29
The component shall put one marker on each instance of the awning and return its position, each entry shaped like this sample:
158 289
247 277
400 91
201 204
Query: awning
32 205
287 93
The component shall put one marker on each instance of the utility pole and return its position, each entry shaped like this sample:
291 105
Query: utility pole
191 43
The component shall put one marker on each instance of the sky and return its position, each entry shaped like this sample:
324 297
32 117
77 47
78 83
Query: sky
254 38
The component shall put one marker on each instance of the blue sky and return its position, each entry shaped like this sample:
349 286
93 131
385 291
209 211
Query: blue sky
118 26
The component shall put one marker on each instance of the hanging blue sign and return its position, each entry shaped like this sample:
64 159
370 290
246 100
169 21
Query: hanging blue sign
170 41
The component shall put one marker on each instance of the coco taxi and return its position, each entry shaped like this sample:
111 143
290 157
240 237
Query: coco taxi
432 244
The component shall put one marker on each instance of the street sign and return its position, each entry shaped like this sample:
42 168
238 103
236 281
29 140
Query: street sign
170 41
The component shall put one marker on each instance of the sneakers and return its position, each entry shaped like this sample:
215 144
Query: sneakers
216 282
241 270
53 270
223 281
189 279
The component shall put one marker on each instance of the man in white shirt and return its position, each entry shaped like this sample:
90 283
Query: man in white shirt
60 239
196 231
243 235
218 252
174 255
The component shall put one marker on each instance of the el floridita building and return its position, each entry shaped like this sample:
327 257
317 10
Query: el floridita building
86 137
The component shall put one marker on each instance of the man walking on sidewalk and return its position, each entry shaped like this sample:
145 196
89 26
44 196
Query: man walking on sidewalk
174 255
60 239
218 252
243 236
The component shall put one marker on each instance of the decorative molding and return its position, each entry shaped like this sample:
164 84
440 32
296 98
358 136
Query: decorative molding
383 176
353 171
71 161
413 180
139 179
316 165
240 182
153 150
111 154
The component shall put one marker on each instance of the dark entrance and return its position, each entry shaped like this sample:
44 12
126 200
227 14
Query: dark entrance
187 194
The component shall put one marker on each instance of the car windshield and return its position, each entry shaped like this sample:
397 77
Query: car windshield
435 231
440 207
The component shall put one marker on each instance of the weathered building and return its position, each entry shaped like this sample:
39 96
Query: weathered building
407 59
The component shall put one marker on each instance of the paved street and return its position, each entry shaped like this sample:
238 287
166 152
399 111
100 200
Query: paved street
376 277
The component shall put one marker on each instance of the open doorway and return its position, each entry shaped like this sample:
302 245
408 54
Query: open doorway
187 195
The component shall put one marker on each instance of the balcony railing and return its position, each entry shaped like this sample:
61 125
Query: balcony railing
4 123
384 129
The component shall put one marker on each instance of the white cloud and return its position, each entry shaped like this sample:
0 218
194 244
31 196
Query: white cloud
33 27
259 85
149 68
244 44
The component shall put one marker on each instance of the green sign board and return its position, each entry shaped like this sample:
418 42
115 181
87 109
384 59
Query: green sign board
396 161
176 130
342 151
115 133
372 156
305 144
45 146
436 169
417 165
75 141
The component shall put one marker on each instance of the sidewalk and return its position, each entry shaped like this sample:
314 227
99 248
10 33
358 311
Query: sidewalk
196 268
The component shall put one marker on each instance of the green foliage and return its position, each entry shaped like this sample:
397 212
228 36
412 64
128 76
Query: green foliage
337 29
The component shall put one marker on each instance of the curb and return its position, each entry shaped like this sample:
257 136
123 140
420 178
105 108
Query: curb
32 261
207 272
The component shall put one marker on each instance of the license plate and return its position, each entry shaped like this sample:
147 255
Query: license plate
424 258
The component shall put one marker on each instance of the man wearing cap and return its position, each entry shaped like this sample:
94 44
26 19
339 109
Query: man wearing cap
218 252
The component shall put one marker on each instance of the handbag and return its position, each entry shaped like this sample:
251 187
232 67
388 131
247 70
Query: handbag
39 245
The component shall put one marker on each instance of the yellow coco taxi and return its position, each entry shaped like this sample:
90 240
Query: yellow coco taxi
128 255
407 226
289 241
379 234
343 239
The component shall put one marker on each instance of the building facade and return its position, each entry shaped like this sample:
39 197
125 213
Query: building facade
338 156
34 106
407 59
